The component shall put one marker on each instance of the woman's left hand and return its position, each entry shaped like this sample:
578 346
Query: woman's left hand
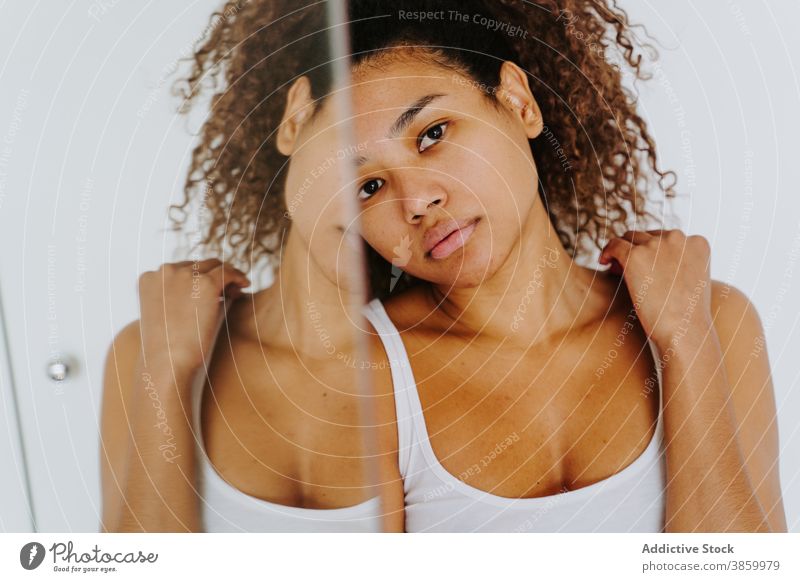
667 275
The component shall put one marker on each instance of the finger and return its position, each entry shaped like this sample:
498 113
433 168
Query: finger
224 275
201 266
617 248
231 293
637 236
615 268
229 268
207 265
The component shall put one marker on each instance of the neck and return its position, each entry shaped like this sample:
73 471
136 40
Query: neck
304 310
537 293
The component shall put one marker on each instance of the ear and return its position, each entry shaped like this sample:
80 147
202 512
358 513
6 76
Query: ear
516 96
299 106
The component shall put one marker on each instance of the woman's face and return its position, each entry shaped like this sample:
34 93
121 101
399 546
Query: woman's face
446 181
318 189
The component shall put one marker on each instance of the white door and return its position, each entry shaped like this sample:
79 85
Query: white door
91 154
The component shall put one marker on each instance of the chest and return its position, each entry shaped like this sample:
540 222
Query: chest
529 423
284 432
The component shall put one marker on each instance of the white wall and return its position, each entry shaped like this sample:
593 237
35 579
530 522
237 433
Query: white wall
96 152
95 155
725 111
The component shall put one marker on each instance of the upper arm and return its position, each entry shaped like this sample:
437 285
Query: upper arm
743 344
115 437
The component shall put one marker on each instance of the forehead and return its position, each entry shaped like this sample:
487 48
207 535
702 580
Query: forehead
380 93
385 91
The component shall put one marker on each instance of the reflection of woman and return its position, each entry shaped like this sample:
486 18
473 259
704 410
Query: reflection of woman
279 429
528 398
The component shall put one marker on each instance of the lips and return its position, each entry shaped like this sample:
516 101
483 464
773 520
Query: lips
444 239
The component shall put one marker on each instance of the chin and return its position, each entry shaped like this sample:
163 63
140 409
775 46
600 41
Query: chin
466 281
461 274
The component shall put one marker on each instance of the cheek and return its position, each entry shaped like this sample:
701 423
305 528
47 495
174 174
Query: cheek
506 194
305 220
504 159
480 175
313 210
377 231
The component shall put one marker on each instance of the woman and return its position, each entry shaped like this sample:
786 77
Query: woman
528 398
279 440
566 401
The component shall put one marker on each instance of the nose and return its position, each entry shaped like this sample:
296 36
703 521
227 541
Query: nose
420 197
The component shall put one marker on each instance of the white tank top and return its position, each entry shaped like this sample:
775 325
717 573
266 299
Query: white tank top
435 500
227 509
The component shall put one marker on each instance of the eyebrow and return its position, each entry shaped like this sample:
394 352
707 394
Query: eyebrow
411 113
405 119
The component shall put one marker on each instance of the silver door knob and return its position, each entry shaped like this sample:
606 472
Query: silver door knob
57 370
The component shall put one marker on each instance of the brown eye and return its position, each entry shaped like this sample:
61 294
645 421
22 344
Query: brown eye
370 188
432 136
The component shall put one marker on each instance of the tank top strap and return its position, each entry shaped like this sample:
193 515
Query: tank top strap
402 379
198 385
659 364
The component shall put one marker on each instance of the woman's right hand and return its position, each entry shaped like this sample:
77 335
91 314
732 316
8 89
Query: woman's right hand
180 307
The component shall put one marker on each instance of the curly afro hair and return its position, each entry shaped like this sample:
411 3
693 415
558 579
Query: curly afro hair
596 159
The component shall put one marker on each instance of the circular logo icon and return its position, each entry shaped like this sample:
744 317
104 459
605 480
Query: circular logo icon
31 555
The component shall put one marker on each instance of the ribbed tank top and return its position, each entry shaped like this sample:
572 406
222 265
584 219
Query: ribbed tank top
227 509
436 501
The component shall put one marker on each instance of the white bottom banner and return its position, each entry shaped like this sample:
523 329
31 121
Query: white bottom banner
389 557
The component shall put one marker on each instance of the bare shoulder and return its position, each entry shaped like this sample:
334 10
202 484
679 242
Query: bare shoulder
120 363
741 336
734 313
744 353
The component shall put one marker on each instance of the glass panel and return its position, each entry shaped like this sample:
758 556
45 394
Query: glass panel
277 379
